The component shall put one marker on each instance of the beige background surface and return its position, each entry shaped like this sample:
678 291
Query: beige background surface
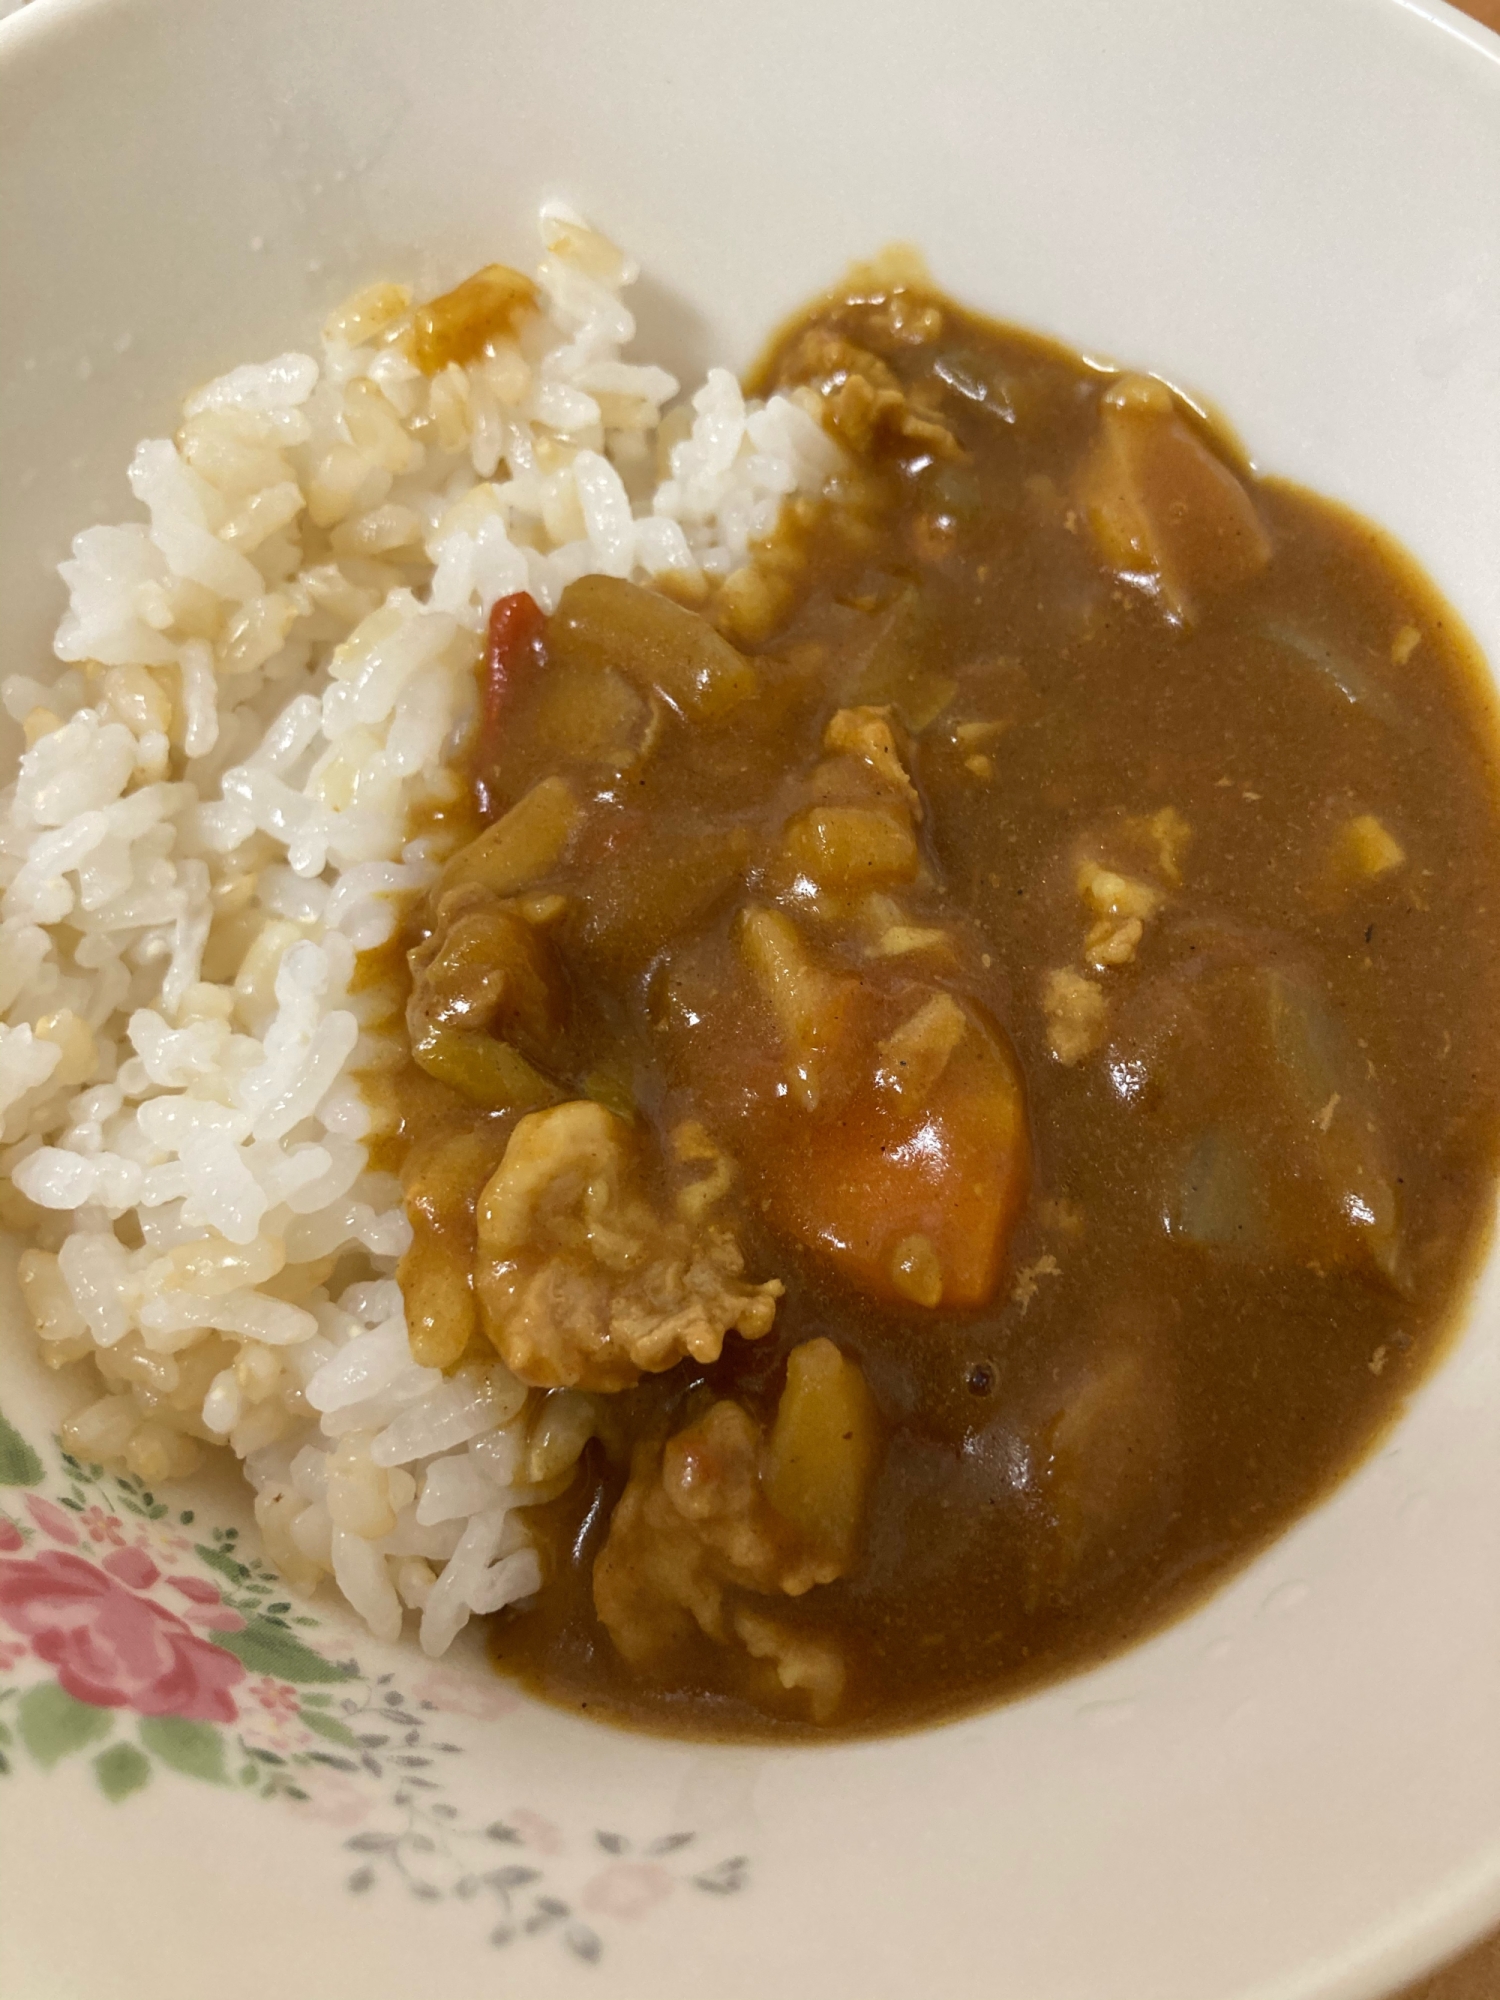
1477 1975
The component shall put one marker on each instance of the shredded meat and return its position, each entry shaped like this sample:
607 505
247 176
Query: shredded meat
692 1523
864 398
867 733
1076 1015
486 967
803 1660
581 1284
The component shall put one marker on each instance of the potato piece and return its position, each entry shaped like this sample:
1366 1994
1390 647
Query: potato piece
915 1055
603 623
521 847
460 324
810 1006
822 1451
1157 499
847 849
1109 1456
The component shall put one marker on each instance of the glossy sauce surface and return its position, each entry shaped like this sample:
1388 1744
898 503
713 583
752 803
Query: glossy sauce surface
1181 1291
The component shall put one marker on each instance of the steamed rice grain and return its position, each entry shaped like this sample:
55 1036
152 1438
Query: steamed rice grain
258 688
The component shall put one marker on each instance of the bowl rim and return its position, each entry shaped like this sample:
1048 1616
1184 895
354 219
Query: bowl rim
1465 1910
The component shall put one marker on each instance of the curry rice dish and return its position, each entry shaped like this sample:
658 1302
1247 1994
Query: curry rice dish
933 1035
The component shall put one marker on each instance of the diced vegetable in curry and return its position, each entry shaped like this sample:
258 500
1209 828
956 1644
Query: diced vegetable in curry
963 1057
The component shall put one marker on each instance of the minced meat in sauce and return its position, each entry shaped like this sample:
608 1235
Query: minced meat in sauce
965 1059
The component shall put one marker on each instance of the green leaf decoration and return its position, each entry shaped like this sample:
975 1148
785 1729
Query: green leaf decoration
121 1770
194 1748
222 1561
53 1725
331 1727
19 1464
271 1649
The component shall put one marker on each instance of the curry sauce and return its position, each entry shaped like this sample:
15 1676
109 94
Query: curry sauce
966 1052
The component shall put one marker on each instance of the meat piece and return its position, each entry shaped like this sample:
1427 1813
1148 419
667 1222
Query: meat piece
863 396
868 733
487 997
803 1660
1076 1015
809 1005
581 1283
692 1521
720 1509
485 968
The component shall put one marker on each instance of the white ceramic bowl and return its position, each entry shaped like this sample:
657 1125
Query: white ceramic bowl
1296 1791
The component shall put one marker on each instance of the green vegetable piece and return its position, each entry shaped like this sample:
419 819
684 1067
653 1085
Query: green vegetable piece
486 1071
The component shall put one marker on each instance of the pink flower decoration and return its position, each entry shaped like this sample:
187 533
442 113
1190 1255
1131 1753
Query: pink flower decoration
51 1519
537 1832
103 1527
198 1588
112 1648
332 1798
9 1655
222 1619
629 1889
11 1537
481 1699
204 1605
275 1696
132 1566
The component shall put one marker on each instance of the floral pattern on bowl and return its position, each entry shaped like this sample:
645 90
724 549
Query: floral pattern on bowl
168 1648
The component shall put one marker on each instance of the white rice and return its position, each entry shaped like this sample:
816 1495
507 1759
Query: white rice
256 688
